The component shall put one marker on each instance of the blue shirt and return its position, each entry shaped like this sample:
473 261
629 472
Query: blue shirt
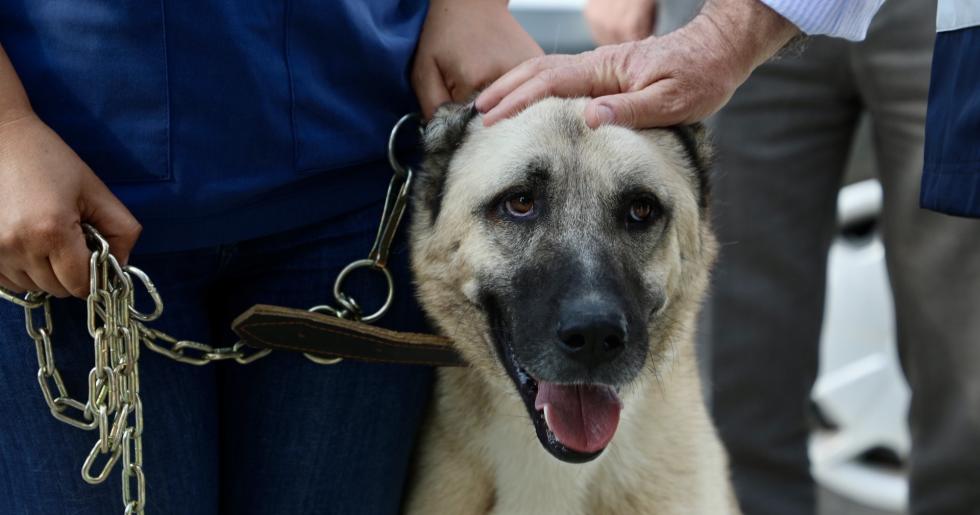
221 120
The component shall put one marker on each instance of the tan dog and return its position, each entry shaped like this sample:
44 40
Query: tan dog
567 265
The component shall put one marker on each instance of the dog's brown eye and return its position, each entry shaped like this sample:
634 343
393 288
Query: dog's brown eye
520 205
640 210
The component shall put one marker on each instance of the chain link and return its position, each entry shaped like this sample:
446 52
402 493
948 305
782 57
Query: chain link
113 405
118 331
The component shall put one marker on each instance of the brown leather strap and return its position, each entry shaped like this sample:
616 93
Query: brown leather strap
326 336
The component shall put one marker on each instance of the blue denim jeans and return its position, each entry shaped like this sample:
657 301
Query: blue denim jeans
282 435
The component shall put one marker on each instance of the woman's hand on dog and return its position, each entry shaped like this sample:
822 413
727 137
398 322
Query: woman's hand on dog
465 45
619 21
682 77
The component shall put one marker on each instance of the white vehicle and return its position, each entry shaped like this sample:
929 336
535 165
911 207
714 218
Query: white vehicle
860 398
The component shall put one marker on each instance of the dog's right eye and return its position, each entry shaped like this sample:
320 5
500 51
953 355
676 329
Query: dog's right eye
520 205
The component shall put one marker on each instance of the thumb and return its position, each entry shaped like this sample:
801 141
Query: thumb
430 87
653 106
101 209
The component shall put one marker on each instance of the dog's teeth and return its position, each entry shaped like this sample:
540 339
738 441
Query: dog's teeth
522 376
547 415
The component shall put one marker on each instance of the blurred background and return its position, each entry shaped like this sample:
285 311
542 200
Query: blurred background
859 440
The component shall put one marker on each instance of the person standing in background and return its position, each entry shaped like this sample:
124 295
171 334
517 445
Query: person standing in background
782 143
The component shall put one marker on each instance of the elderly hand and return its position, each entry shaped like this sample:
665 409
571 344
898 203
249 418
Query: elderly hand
619 21
682 77
465 45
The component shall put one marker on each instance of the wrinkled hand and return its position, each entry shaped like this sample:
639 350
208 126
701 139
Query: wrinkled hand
465 45
682 77
46 192
619 21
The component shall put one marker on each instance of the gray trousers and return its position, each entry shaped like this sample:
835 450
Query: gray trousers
783 142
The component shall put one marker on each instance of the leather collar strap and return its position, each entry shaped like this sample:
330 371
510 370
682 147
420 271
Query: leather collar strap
327 336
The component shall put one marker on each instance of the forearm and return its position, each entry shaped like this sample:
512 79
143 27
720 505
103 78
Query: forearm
751 30
13 99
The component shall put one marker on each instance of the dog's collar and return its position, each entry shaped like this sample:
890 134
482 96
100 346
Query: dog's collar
330 337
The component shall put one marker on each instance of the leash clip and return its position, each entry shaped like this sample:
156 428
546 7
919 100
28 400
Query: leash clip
395 202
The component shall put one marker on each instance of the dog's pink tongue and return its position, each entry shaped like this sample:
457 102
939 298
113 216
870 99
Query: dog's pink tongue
582 417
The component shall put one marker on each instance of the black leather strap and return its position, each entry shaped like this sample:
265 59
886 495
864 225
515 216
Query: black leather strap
326 336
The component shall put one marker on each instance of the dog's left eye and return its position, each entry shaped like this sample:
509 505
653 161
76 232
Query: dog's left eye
642 211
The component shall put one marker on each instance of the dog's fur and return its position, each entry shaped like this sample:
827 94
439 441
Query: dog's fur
481 277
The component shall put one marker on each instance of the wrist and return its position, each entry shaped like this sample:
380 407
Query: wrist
14 116
14 104
748 31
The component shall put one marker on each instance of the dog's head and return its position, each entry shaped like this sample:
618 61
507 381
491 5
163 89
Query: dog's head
566 263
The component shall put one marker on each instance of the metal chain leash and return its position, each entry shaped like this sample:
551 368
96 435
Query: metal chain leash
113 406
117 328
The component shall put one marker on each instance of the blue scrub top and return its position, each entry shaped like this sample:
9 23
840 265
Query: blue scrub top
221 120
951 176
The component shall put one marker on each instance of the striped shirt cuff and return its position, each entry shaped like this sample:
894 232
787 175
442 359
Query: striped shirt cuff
848 19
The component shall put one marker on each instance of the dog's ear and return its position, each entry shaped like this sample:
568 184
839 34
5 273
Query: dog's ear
443 136
696 142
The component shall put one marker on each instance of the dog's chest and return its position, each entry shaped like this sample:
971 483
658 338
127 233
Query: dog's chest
528 479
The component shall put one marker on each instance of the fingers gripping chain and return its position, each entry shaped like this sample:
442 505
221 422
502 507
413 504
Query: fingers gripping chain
118 330
113 404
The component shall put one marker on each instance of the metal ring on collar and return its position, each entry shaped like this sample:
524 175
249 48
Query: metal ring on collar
366 263
400 169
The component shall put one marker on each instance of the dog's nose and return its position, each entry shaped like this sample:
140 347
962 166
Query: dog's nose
592 333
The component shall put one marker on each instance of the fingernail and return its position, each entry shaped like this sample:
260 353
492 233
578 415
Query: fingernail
604 114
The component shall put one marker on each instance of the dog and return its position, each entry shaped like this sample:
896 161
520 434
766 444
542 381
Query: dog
567 264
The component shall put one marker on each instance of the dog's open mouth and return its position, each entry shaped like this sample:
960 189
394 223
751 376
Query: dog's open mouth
574 423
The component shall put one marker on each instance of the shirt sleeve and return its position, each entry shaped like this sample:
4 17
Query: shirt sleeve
848 19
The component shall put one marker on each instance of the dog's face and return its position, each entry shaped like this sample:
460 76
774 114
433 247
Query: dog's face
563 261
